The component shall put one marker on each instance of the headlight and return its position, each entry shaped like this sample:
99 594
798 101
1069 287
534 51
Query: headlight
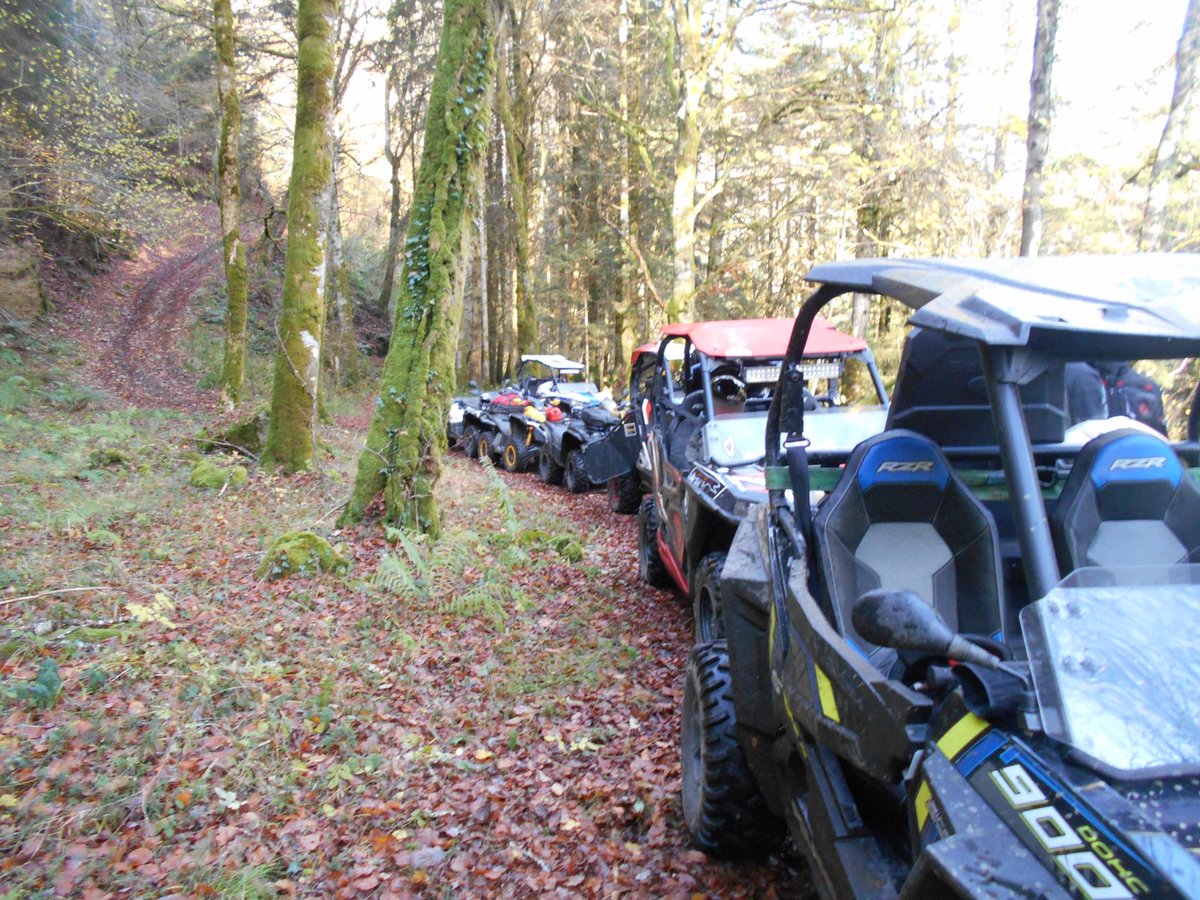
456 413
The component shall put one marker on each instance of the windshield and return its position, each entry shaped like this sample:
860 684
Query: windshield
572 376
1115 667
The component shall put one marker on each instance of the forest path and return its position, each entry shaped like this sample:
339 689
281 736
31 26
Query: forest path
132 325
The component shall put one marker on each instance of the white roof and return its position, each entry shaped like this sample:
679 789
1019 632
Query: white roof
553 360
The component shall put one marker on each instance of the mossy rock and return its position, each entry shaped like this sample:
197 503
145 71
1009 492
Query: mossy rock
246 437
300 553
109 458
208 475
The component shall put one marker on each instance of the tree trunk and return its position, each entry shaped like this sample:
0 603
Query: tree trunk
228 201
341 350
516 112
290 443
407 437
1154 217
691 80
393 158
1041 111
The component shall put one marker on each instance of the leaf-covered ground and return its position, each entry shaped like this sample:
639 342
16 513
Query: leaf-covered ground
493 715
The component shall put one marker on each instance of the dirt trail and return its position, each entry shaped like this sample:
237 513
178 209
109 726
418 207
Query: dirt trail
131 323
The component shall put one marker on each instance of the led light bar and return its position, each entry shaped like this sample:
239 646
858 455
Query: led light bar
821 368
760 374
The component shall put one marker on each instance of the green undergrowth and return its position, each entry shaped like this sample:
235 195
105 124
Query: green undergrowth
160 694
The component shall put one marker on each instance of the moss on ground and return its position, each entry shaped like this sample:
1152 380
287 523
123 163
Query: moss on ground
300 553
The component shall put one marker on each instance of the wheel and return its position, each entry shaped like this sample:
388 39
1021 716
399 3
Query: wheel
723 808
511 458
548 469
650 564
706 604
576 479
625 493
470 442
486 445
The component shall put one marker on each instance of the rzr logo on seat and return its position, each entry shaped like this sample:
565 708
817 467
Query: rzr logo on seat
905 465
1138 463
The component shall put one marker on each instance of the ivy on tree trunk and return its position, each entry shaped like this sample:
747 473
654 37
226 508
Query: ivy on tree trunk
407 437
290 435
228 201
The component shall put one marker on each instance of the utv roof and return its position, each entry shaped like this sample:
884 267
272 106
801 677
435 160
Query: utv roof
1087 307
553 360
638 351
762 338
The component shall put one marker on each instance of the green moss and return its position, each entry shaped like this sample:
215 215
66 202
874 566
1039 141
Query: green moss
207 474
246 436
109 457
300 553
407 431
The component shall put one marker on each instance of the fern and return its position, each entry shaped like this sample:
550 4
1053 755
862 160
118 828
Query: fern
503 500
481 601
396 578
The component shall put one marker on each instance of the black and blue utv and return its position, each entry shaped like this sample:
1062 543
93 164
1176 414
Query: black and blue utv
962 657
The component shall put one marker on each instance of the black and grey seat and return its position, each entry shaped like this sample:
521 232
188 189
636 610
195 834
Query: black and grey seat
900 519
1128 501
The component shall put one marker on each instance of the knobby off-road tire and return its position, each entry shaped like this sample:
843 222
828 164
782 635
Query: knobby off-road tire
511 458
576 479
707 606
485 445
650 564
470 442
625 493
725 813
549 471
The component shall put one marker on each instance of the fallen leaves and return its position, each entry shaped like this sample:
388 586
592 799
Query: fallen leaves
325 737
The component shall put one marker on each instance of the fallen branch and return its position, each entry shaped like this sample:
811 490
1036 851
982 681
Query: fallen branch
74 590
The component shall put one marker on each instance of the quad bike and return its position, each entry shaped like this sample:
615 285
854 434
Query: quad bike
699 405
959 654
508 426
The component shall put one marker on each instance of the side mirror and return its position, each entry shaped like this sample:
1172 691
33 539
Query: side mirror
903 621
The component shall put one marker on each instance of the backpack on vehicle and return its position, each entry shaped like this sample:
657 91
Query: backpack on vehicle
1133 394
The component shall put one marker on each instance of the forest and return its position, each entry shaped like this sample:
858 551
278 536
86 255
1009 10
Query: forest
250 250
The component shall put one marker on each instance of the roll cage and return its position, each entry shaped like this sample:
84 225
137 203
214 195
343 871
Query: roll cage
1026 318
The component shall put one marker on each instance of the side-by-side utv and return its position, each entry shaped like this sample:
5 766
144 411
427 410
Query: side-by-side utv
700 407
962 656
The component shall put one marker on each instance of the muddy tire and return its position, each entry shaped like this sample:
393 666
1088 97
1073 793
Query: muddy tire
707 606
549 471
625 493
470 442
511 457
725 813
575 479
485 445
650 564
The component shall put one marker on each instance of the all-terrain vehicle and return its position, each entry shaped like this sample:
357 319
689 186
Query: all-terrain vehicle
569 441
508 425
700 414
960 656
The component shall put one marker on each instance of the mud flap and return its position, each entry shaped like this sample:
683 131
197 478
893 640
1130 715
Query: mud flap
614 454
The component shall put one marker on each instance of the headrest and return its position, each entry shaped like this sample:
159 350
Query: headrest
901 457
1129 456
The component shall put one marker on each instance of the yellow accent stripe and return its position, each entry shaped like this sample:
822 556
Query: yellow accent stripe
825 692
962 733
922 805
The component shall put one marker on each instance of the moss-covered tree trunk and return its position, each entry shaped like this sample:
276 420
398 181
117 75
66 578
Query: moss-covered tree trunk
516 112
228 201
290 435
408 431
